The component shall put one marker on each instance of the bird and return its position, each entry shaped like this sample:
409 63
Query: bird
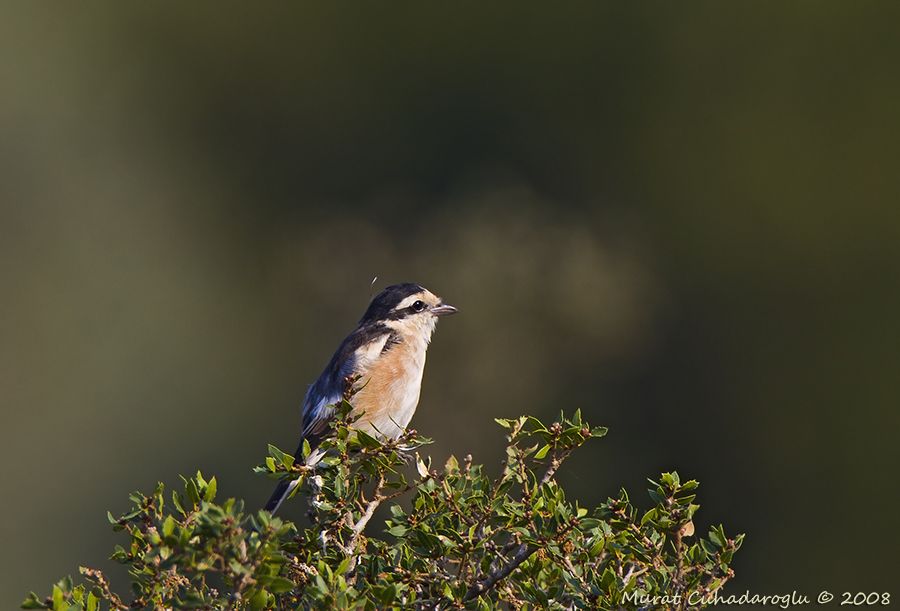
382 361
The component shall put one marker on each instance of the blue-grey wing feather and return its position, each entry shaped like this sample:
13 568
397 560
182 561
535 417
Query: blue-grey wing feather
325 392
331 385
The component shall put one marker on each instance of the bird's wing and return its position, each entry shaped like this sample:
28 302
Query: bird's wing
353 357
317 413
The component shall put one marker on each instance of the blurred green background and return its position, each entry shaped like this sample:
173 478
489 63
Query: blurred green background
681 218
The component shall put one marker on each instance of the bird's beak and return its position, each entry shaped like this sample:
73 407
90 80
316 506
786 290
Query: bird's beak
443 310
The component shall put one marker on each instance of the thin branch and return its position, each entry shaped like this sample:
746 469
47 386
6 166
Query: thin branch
679 563
632 573
360 525
364 519
451 501
555 463
372 505
523 553
479 587
99 579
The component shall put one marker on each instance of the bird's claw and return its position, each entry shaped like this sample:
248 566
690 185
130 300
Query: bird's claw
406 454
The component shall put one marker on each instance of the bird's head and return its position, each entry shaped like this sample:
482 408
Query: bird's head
408 309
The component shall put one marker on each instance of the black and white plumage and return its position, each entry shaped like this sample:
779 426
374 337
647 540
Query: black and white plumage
386 355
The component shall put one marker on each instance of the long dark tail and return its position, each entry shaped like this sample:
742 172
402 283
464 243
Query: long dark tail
283 489
281 492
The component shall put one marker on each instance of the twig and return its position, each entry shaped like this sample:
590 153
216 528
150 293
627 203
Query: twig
679 563
360 525
522 554
448 494
99 579
632 573
366 516
555 463
479 587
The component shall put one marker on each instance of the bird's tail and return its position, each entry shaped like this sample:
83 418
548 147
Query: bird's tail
282 491
286 487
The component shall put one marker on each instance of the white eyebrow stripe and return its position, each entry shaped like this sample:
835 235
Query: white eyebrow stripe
409 301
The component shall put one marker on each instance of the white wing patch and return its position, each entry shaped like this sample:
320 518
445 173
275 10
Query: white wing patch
367 353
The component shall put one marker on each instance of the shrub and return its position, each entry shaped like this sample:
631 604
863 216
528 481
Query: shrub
465 539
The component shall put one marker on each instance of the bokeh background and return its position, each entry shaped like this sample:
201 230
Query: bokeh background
682 219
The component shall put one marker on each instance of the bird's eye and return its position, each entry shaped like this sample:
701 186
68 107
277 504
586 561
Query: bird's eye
418 306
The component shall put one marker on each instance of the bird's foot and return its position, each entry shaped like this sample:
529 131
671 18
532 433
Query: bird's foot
406 453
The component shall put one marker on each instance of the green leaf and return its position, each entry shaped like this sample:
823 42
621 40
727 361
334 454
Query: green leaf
190 489
542 452
657 498
388 594
276 453
280 585
168 526
366 440
452 465
57 598
176 500
210 492
670 479
33 602
297 487
259 600
717 536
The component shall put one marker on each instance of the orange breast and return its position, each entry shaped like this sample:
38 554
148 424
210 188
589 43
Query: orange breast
390 394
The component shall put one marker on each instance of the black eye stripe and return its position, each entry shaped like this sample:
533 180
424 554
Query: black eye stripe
415 308
399 314
383 305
